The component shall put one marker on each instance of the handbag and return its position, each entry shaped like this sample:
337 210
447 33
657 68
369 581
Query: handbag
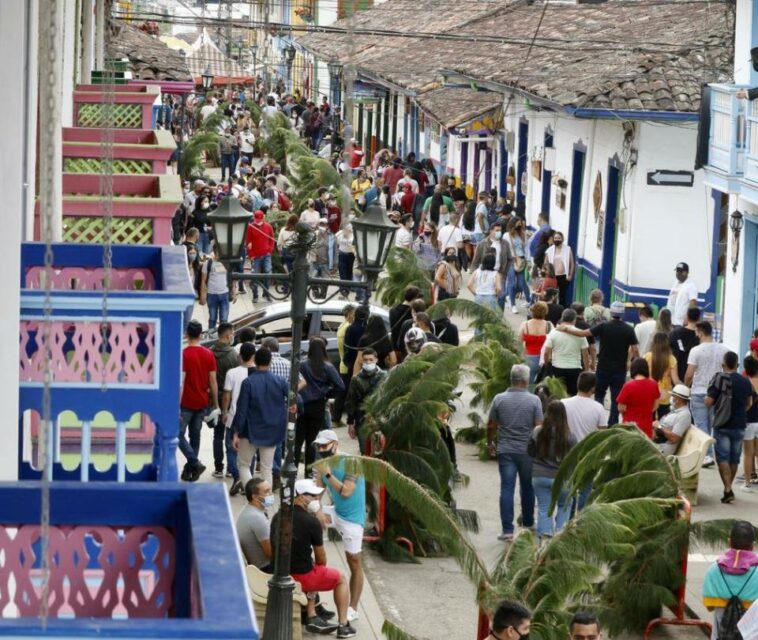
519 264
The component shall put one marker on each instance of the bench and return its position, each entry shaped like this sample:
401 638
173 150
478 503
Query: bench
257 584
689 456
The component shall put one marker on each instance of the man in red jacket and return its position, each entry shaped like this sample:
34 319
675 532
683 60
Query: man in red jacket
260 245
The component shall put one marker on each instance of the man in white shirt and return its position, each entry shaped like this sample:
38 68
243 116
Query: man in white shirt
404 236
208 108
247 144
703 363
645 330
683 295
585 415
450 235
407 179
232 384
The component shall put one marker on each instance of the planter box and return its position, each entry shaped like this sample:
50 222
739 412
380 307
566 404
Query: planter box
133 561
135 151
132 106
143 207
131 365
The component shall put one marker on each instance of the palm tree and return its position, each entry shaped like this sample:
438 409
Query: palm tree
403 270
194 151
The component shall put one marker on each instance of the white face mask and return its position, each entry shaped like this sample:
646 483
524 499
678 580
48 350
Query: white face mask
314 506
369 367
204 206
268 501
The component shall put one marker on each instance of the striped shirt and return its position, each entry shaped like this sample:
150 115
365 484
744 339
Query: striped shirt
516 412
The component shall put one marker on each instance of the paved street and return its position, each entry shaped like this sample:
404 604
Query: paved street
406 593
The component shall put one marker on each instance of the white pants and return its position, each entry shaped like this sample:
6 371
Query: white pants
245 457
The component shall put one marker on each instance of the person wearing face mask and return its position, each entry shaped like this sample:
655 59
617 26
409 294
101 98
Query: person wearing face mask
494 241
348 511
404 235
308 560
361 387
562 259
199 219
253 526
512 621
683 295
447 277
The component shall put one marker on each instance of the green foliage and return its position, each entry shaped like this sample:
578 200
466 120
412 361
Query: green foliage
402 270
193 152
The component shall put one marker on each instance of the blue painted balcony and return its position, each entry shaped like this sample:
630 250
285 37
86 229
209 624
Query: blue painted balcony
733 142
114 363
136 560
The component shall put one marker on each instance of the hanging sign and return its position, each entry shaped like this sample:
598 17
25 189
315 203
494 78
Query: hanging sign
665 178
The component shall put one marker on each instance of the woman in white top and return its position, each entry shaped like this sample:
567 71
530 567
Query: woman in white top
562 259
345 254
310 216
283 240
486 283
404 236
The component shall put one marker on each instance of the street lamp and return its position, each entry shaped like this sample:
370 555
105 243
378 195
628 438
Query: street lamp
254 52
207 78
374 237
229 220
736 223
289 53
335 79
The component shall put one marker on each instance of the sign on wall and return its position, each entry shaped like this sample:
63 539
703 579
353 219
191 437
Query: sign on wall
666 178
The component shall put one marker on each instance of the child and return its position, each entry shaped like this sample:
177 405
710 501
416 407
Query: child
546 281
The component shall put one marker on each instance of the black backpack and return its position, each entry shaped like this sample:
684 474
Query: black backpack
733 612
722 409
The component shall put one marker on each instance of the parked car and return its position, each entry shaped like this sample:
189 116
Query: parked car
320 320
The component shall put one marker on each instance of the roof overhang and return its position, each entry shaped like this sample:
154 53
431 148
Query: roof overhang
632 114
457 79
375 79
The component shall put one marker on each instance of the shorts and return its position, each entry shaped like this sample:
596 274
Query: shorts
751 433
728 445
352 535
320 578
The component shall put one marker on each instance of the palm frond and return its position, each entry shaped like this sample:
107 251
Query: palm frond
402 270
391 632
213 122
710 533
192 153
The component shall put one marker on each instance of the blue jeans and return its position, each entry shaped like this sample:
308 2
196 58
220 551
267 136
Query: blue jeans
515 281
231 455
509 465
204 242
227 165
191 420
487 300
261 265
615 380
549 525
702 416
533 362
218 309
728 445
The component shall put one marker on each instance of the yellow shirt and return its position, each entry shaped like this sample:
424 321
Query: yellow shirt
665 385
341 330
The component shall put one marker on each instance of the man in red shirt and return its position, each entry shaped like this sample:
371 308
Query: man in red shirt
199 392
393 175
356 155
260 243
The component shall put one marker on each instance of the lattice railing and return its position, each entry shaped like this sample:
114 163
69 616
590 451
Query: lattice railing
98 572
125 116
91 278
77 355
96 165
123 230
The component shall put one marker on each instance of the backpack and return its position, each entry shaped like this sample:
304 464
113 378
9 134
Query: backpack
722 409
285 204
733 612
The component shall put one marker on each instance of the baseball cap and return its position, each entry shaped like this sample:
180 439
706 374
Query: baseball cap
617 308
306 486
682 266
199 183
326 436
259 215
681 391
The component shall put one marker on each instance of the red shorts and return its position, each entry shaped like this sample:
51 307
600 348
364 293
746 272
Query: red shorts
320 578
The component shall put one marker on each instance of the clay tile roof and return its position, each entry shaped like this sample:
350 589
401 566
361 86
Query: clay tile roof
149 58
620 54
454 106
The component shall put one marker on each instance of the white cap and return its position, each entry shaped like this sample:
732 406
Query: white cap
326 436
199 183
308 487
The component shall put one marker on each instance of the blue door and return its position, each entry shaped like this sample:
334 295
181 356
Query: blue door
749 260
609 231
523 142
547 177
575 207
503 171
464 164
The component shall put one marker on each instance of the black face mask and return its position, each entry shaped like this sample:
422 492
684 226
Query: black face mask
557 243
324 454
450 258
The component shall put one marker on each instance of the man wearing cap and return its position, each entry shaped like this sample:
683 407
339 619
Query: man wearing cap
260 245
683 294
619 347
674 424
308 560
348 515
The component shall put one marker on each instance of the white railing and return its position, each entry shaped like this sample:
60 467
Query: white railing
726 149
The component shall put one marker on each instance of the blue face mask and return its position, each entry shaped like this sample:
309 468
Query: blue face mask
268 501
498 235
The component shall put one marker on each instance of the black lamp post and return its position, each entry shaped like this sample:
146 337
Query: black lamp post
289 58
736 223
254 53
374 235
335 80
207 78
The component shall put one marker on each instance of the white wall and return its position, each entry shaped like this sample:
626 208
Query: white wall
743 38
12 77
70 32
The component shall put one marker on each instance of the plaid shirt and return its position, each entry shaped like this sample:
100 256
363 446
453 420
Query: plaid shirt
281 367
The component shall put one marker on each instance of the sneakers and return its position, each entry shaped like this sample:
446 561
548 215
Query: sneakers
186 473
506 537
514 309
324 613
197 471
352 614
318 625
228 474
218 474
345 631
746 486
728 497
235 488
708 462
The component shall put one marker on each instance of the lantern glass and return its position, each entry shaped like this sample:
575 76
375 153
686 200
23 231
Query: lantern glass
207 78
736 221
229 222
374 236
